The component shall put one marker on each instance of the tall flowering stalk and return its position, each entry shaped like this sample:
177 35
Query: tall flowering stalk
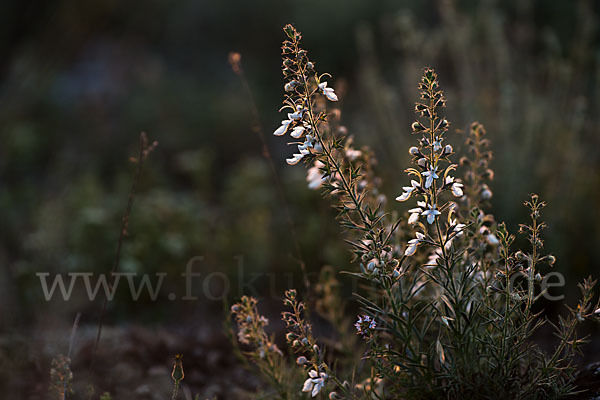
432 173
336 166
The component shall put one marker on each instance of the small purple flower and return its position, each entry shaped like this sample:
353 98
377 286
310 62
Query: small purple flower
365 325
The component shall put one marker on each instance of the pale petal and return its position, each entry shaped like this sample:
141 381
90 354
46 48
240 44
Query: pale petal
281 130
308 385
295 116
430 218
315 390
410 250
294 160
297 132
428 182
403 197
456 190
414 217
330 94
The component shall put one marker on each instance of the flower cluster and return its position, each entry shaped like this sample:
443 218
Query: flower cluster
338 167
302 83
477 303
315 382
433 167
300 338
365 326
476 163
251 328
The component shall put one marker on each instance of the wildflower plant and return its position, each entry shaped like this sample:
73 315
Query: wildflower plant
261 349
450 309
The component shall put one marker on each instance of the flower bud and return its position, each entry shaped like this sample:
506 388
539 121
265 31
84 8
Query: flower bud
414 150
520 256
372 264
301 360
486 193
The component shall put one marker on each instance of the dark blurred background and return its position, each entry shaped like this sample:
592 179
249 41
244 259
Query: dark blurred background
80 80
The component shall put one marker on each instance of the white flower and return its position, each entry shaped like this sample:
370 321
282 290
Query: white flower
413 244
456 186
414 215
431 213
457 189
407 191
597 312
431 175
294 160
459 229
314 177
437 145
415 212
283 128
297 132
328 92
296 115
315 382
303 148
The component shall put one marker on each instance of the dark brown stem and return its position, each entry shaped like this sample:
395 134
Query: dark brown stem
143 152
